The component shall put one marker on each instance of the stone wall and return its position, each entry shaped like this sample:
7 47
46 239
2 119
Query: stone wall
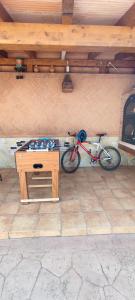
7 156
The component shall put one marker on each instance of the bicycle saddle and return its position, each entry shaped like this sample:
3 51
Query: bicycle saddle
101 134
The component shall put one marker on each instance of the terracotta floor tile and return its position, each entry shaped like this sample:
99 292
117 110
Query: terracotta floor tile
90 205
97 223
32 208
13 196
48 225
121 193
127 203
5 225
105 201
99 186
23 226
49 208
110 203
121 221
70 206
103 193
73 224
9 208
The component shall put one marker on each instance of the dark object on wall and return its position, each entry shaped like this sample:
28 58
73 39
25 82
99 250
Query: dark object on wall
0 177
82 136
128 132
67 84
19 68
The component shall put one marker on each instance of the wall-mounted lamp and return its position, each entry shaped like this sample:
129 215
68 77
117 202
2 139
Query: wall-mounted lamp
67 84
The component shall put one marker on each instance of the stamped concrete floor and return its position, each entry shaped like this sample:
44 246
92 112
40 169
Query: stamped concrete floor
93 201
93 267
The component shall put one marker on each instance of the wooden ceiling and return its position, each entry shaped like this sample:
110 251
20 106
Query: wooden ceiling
78 12
101 12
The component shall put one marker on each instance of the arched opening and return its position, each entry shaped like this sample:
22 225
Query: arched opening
128 132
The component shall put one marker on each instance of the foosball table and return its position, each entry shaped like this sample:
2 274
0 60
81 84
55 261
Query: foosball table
41 155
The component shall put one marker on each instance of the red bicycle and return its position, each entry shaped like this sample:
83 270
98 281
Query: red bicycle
108 157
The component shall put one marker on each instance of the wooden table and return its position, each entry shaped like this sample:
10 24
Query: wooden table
40 161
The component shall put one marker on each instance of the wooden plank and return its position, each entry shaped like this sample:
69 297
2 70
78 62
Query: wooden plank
23 185
67 18
40 200
55 183
5 17
39 37
67 6
41 178
128 19
39 185
72 62
127 147
67 11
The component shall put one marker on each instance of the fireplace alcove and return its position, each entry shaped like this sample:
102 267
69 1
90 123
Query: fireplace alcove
128 131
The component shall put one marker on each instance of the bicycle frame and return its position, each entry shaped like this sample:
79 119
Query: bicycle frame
97 145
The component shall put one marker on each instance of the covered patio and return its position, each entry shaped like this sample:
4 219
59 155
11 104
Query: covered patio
66 65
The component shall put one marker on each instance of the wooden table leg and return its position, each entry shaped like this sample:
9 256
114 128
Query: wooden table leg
23 185
55 184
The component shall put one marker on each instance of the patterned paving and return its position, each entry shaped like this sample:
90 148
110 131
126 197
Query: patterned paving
93 201
68 268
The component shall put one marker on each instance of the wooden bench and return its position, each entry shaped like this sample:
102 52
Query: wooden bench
127 147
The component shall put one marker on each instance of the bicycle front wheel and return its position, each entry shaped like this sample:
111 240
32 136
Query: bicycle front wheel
109 158
70 160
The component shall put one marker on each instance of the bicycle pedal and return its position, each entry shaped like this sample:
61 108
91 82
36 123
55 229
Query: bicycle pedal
93 163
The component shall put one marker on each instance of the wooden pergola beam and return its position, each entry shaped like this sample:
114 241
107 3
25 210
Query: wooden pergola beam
72 62
128 19
67 11
4 16
40 37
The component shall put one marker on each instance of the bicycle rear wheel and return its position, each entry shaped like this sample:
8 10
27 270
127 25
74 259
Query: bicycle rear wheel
109 158
70 161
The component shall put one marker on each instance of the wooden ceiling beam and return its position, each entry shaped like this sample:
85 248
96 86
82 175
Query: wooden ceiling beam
128 19
67 6
40 37
67 11
4 16
67 17
72 62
